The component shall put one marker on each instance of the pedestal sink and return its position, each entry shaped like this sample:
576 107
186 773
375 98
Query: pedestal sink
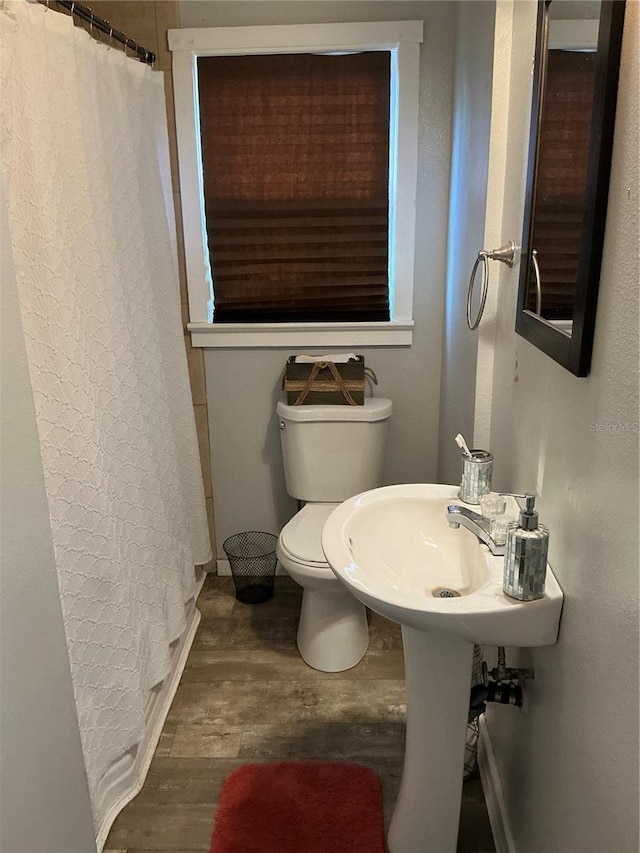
393 548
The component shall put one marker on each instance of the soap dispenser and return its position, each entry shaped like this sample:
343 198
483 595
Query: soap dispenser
525 555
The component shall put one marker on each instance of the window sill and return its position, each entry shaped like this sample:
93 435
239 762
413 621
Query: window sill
264 335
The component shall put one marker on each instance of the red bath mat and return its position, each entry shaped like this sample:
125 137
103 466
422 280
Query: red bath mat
300 807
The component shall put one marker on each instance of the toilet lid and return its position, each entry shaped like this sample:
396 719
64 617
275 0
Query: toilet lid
301 536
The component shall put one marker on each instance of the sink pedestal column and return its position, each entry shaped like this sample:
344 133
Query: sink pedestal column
438 678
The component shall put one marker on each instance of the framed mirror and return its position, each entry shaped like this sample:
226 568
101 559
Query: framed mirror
572 120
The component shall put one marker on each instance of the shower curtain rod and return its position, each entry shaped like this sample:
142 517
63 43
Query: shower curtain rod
85 13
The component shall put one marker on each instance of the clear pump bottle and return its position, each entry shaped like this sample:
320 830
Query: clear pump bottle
525 556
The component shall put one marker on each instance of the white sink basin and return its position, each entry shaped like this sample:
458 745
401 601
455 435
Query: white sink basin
395 551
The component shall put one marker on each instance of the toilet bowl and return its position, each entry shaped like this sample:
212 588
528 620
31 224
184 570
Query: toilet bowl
330 453
332 633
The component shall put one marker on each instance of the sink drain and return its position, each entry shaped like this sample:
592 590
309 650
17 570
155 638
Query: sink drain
443 592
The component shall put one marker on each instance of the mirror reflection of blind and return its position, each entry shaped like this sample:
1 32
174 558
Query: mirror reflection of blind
562 174
295 153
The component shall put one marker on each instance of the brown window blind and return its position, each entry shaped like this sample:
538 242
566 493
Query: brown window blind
295 152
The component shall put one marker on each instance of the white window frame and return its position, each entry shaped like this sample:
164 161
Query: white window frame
402 40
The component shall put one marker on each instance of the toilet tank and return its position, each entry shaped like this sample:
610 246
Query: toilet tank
331 453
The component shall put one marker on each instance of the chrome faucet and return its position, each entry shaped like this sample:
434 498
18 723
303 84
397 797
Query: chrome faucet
476 523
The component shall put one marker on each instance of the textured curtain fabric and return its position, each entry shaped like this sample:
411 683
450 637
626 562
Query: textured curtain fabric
84 169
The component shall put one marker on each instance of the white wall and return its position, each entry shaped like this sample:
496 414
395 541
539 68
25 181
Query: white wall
469 171
242 386
569 765
44 800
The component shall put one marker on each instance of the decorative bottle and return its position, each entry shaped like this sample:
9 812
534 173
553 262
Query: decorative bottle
525 556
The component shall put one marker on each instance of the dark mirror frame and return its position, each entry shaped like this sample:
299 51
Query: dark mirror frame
574 352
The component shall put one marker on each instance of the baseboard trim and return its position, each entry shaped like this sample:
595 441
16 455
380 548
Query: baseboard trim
493 794
223 568
125 779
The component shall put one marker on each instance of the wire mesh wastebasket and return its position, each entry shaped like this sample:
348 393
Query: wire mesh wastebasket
252 556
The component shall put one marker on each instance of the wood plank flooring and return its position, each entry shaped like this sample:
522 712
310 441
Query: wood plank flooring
246 695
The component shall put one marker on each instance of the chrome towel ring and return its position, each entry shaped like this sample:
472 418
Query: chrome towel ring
506 255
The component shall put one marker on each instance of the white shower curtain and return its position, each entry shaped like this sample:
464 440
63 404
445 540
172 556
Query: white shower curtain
85 175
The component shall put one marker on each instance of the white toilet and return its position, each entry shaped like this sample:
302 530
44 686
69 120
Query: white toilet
330 453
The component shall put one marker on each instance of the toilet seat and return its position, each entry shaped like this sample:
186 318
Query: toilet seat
300 539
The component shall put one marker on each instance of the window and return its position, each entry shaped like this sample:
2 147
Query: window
314 247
